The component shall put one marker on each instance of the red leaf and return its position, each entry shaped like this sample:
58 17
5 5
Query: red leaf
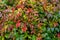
39 25
55 24
19 14
18 21
33 31
31 26
58 35
18 24
29 10
13 9
11 28
24 29
20 6
39 38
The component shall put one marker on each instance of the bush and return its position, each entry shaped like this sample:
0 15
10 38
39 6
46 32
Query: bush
30 20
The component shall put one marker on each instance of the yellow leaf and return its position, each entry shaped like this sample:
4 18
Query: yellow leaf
2 38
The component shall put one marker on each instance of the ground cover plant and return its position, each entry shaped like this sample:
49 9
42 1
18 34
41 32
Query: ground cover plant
29 19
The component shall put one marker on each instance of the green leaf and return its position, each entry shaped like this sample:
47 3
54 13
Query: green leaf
43 28
57 29
44 35
32 2
17 38
33 37
6 35
29 36
8 2
2 38
48 30
52 29
10 22
16 34
21 37
47 38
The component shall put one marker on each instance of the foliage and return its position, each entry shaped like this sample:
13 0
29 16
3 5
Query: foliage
29 20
